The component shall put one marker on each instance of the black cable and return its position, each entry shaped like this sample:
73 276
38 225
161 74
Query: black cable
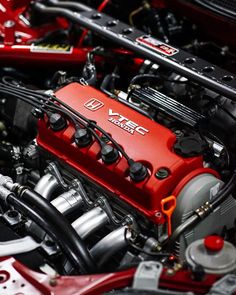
90 123
47 105
95 126
46 99
155 78
224 192
61 224
36 104
49 229
143 77
27 100
82 20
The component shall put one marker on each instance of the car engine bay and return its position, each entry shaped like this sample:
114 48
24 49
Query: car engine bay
118 147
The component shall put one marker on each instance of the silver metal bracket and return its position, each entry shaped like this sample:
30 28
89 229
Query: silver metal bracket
147 277
12 217
53 169
226 285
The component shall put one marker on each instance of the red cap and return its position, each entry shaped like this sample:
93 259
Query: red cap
214 243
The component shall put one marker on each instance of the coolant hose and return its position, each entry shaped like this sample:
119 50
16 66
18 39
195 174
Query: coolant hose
63 228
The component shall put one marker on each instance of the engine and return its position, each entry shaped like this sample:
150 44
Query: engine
117 147
151 172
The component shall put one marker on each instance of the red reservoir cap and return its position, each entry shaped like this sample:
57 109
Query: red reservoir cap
214 243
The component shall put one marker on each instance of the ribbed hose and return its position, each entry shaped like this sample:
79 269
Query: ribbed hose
63 228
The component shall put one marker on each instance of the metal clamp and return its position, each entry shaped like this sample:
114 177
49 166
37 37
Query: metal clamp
52 168
77 185
103 203
204 210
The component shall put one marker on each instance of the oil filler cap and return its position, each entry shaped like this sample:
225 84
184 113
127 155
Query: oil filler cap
57 122
137 171
189 146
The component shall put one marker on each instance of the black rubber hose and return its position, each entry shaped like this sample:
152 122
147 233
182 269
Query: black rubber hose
49 229
186 225
69 4
154 78
90 74
64 228
144 78
224 192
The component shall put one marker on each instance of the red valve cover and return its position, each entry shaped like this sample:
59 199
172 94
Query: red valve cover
143 140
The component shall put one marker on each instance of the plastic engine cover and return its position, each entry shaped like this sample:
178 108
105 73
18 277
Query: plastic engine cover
143 140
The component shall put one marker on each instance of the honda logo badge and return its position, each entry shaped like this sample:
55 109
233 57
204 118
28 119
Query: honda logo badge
93 104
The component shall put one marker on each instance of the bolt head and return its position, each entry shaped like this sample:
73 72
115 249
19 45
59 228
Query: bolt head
162 173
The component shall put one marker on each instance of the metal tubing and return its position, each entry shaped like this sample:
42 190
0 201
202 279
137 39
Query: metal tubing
90 222
55 224
46 186
109 245
67 202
